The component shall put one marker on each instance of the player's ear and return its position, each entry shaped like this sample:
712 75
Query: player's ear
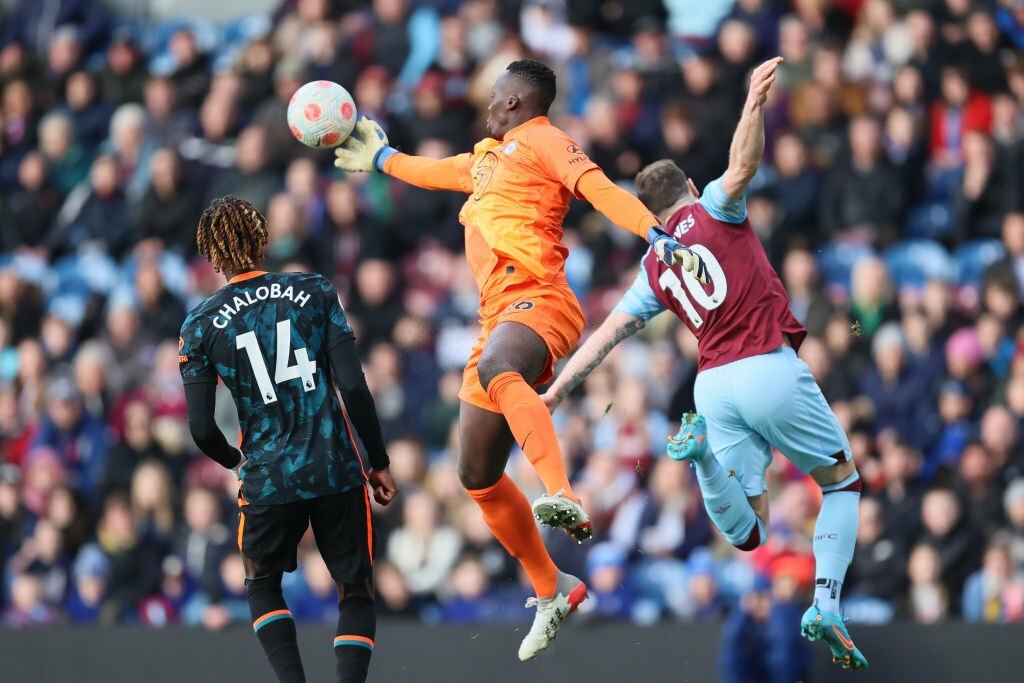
512 102
693 187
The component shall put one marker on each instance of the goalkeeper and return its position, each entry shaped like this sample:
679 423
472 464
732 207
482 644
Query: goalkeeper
519 184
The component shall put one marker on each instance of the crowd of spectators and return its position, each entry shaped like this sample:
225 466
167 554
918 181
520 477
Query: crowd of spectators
891 202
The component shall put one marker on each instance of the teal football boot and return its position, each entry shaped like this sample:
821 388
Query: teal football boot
818 625
691 441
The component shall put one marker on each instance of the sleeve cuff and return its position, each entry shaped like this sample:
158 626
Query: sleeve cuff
381 157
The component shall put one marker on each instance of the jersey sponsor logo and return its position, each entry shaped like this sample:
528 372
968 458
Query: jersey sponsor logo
579 155
261 293
482 174
522 306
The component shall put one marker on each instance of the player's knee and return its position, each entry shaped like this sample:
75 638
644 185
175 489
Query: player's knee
475 476
263 582
490 367
362 590
752 539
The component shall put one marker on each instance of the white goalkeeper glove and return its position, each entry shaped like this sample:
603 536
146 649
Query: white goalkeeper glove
672 253
365 150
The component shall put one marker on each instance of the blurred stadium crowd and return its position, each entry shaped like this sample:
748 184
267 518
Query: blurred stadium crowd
890 202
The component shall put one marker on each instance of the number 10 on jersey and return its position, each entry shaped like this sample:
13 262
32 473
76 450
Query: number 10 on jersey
303 368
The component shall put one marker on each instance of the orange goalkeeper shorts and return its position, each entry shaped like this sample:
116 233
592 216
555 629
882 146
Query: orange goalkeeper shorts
550 310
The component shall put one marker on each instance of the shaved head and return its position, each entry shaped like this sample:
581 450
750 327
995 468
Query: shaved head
524 91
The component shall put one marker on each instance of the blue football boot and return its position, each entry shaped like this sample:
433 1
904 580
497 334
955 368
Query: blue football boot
818 625
691 441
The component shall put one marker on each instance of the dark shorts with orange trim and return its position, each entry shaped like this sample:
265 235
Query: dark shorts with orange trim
269 535
550 310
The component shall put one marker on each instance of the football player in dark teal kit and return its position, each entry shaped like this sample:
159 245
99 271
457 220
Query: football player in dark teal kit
282 345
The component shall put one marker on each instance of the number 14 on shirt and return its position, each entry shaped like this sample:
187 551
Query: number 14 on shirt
284 372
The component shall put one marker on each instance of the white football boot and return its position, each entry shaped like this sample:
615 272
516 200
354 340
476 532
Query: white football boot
562 512
551 612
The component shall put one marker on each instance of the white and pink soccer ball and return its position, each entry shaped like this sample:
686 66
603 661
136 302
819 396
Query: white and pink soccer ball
321 114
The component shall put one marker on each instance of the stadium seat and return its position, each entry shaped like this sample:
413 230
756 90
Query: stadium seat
234 35
914 262
836 261
974 258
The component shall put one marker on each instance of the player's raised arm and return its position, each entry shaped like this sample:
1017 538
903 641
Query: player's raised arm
368 150
747 146
627 318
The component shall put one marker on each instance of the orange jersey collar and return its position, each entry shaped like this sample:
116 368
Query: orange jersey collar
535 121
246 276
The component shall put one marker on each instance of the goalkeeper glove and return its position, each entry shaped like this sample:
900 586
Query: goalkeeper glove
367 152
672 253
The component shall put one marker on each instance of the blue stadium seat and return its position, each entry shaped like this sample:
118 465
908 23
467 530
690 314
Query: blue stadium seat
914 262
81 274
974 258
836 261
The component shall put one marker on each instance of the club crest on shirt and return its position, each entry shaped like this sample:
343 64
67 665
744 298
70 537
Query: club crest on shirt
483 171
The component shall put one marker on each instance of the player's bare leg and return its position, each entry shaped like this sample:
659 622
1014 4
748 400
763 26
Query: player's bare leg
513 358
357 628
835 535
272 622
486 441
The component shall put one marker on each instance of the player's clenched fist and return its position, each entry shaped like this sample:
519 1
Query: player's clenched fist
360 151
384 487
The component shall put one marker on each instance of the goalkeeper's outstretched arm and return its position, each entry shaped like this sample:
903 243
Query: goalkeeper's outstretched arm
367 150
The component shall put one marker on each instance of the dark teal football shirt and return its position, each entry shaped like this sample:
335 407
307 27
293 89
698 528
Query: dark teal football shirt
267 336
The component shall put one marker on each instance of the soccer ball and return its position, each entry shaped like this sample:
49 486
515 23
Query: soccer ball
321 114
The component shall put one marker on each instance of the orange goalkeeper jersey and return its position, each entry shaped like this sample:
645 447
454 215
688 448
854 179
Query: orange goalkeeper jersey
520 189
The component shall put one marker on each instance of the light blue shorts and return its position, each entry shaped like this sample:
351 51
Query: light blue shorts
764 402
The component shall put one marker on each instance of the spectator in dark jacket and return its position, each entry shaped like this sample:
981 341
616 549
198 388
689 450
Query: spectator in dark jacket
948 530
169 210
858 199
99 215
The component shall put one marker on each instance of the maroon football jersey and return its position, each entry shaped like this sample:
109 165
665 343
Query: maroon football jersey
744 311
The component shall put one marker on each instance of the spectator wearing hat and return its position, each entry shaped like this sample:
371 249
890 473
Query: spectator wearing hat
90 574
759 642
896 387
78 438
606 568
956 405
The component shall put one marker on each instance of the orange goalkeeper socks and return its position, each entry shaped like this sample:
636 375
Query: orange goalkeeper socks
531 424
508 514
